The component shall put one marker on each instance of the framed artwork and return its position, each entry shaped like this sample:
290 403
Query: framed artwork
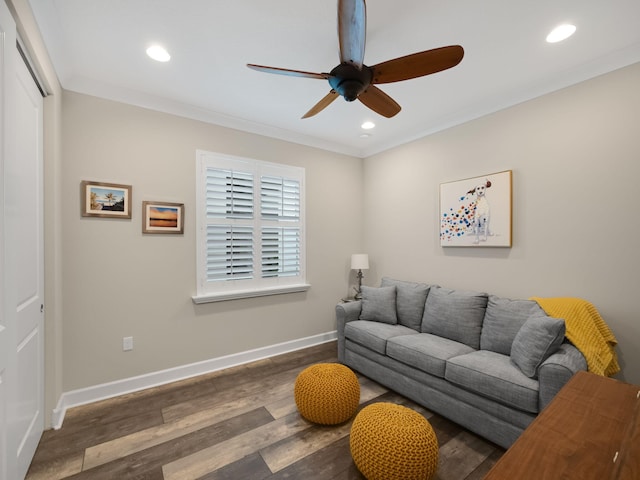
106 200
476 212
162 217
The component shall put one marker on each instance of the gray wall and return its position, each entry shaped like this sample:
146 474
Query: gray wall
118 282
575 156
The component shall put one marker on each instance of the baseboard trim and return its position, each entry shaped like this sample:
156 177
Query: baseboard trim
83 396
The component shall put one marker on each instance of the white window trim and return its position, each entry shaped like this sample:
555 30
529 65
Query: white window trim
237 289
234 295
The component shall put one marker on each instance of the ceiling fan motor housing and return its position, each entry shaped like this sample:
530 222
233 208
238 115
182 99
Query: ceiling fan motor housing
350 81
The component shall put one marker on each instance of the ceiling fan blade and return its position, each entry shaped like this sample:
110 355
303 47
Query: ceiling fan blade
286 71
417 64
322 104
352 31
379 102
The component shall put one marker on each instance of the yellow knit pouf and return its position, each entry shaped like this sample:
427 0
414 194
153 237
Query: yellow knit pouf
327 393
392 442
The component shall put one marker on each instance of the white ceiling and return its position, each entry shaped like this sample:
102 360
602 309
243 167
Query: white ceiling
98 48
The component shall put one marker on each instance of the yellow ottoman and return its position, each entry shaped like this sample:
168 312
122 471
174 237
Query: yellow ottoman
327 393
392 442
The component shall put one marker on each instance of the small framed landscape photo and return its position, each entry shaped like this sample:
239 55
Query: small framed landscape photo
106 200
162 217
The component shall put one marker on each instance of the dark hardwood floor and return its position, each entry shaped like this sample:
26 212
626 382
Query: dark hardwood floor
239 423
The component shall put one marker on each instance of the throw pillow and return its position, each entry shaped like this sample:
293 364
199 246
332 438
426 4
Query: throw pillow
537 340
379 304
410 298
503 320
455 314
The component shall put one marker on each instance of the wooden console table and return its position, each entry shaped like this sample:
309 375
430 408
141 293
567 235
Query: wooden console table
590 430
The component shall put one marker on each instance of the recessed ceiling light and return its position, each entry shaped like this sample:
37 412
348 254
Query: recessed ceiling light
368 125
561 32
158 53
365 135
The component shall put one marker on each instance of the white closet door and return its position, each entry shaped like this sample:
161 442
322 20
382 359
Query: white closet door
27 257
23 263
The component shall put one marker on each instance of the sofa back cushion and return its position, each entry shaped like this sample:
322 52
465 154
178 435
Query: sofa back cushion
379 304
455 314
410 300
503 320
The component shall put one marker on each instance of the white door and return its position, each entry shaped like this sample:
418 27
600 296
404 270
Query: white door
24 271
25 229
7 46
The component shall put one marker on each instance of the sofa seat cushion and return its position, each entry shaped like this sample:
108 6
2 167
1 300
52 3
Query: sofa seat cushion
493 375
374 335
425 352
455 314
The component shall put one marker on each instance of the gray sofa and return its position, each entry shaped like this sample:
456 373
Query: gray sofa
489 364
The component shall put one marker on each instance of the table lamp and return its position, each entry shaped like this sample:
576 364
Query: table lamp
359 262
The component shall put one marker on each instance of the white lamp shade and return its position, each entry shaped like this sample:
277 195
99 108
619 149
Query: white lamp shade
359 261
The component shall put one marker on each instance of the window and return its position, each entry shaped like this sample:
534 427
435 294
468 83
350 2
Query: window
250 228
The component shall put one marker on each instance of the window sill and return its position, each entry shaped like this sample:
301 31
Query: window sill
238 294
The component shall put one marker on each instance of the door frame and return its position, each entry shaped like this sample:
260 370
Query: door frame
7 42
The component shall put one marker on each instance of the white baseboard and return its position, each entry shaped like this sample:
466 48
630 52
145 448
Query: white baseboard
95 393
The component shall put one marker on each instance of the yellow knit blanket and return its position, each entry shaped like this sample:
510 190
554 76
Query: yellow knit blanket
586 329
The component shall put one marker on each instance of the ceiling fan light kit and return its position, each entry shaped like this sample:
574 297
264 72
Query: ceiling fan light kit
352 79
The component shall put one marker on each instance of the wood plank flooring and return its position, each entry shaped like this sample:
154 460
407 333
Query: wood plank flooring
239 423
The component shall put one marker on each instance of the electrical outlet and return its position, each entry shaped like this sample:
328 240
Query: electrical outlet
127 344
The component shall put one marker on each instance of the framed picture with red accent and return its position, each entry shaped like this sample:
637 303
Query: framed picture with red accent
476 212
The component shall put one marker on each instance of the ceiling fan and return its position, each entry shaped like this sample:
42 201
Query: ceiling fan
353 80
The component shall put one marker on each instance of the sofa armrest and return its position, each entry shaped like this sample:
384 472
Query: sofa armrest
556 370
345 312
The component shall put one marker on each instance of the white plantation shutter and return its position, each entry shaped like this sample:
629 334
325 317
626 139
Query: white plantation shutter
280 198
229 194
250 217
280 203
280 252
229 252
